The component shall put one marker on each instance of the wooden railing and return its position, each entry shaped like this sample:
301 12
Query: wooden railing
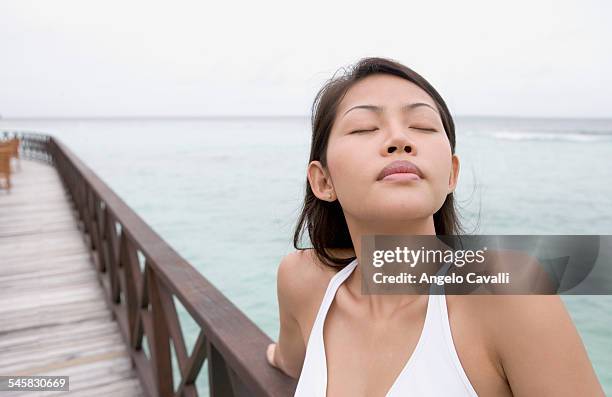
142 275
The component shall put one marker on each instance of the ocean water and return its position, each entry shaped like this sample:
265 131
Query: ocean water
226 193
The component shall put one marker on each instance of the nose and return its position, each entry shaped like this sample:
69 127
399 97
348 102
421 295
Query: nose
407 148
398 140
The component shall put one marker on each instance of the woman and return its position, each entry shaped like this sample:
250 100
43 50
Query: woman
379 112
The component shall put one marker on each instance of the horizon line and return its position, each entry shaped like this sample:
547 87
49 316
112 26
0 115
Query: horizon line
264 116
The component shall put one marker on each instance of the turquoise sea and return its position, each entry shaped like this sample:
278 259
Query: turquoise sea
226 192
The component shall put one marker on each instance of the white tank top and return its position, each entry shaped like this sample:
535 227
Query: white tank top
433 369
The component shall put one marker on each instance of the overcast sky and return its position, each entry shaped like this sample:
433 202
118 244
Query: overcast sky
130 58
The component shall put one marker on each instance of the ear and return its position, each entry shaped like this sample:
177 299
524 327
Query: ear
320 181
454 175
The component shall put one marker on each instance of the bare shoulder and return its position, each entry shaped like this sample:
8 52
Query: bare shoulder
302 281
301 274
535 315
302 263
529 334
513 307
501 313
509 318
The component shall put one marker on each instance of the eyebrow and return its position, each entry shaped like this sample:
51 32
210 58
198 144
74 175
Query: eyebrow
379 109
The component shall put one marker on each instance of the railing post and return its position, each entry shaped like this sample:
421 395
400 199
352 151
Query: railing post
112 254
162 361
133 284
218 379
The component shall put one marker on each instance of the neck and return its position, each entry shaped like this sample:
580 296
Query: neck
383 306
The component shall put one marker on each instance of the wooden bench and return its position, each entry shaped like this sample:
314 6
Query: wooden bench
5 166
8 149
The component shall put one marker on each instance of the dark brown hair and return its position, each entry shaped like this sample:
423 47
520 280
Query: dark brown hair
325 220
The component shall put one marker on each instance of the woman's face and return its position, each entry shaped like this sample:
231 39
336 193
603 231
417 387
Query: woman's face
404 125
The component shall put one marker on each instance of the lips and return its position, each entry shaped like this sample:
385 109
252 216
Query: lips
400 167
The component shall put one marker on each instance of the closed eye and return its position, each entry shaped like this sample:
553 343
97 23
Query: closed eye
370 130
374 129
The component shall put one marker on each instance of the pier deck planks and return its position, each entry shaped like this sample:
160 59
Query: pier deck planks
53 316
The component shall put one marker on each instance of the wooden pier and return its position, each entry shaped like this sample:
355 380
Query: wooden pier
89 290
53 316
